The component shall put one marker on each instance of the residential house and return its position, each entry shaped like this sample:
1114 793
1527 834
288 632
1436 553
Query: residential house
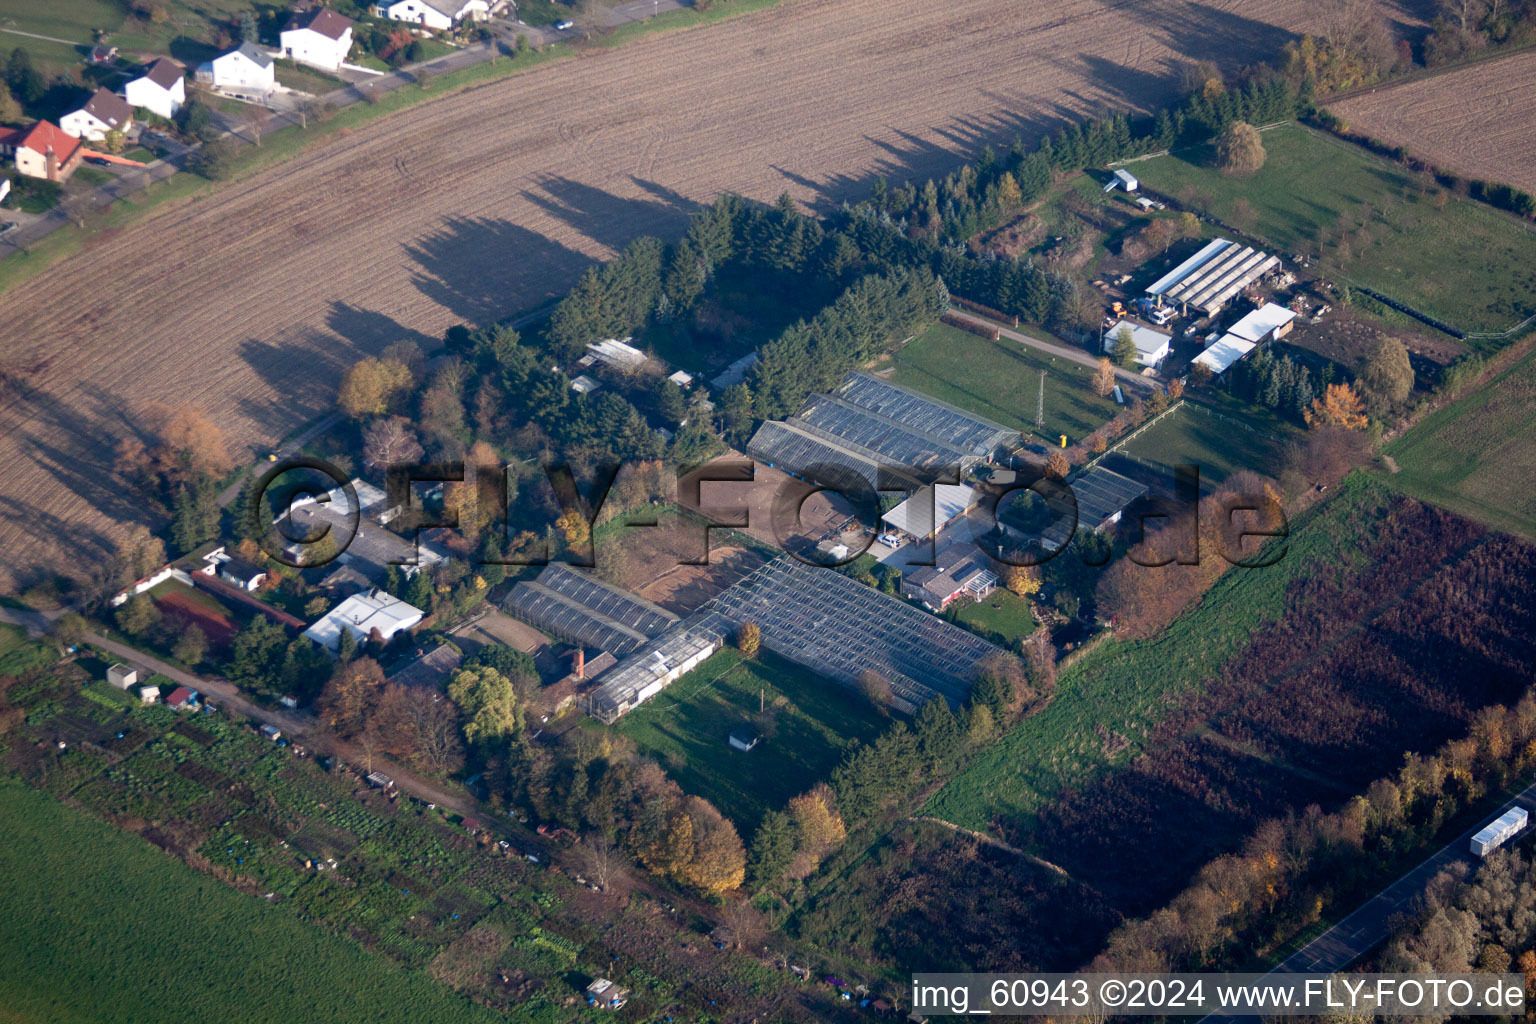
320 38
959 569
245 70
439 15
235 571
429 670
161 90
42 151
104 112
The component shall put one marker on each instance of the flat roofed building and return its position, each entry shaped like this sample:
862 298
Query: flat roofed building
652 669
1224 352
959 570
1152 346
362 615
931 509
1212 277
1268 322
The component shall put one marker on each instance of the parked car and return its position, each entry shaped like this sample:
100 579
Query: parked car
561 26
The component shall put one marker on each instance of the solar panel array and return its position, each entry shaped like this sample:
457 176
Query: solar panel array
840 628
582 610
929 416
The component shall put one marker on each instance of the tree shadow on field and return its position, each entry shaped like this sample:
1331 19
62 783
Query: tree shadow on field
1202 31
371 331
483 269
613 221
76 450
301 374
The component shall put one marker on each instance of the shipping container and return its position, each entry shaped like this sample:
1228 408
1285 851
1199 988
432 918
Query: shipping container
1500 831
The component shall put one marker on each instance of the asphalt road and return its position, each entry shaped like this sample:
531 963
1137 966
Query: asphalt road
1370 924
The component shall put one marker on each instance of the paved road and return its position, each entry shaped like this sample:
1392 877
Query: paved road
1370 924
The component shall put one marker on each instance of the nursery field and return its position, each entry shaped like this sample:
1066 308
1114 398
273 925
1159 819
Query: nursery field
1478 455
1454 259
188 948
1000 380
807 726
1328 667
1193 435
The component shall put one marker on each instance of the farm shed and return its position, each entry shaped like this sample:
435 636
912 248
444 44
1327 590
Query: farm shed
960 568
619 354
1223 353
931 509
744 738
649 671
363 615
1151 346
583 610
1102 495
182 697
736 372
122 676
840 628
584 385
1122 179
1268 322
1210 278
149 694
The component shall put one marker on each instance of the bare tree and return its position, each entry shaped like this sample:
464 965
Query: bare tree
255 119
745 923
600 859
390 442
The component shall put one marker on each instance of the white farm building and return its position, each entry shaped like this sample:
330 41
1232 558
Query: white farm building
364 615
1151 346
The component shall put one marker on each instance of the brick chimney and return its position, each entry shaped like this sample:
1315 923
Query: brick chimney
51 164
579 663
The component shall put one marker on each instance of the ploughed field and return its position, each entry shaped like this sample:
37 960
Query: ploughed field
1479 122
251 301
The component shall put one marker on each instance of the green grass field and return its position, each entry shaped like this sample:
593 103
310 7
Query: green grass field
1220 446
1001 617
101 926
813 721
1465 263
1478 455
1124 686
1000 380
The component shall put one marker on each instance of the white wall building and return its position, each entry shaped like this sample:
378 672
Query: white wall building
361 615
104 112
162 90
1151 346
439 16
245 69
320 38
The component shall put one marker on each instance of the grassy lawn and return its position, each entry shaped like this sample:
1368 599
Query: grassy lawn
542 12
1000 380
1219 445
189 21
811 722
78 888
306 79
1478 455
1125 686
1002 617
1463 263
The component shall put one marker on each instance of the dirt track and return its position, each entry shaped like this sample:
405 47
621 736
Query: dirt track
250 302
1479 122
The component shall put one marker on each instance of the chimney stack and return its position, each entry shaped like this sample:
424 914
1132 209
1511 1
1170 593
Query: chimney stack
51 164
580 663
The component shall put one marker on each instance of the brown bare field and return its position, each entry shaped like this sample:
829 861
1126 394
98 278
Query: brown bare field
251 301
1479 122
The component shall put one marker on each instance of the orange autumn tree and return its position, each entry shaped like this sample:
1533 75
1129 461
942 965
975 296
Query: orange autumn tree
1339 406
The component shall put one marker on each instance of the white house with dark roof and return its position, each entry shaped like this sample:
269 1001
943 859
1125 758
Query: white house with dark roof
320 38
104 112
245 69
438 15
161 90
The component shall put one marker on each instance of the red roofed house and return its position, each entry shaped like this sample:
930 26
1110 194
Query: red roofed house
104 112
42 151
321 38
